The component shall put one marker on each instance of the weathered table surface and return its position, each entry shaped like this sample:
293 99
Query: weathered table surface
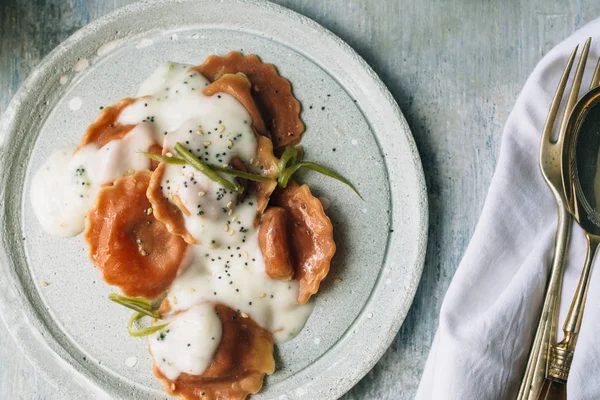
455 67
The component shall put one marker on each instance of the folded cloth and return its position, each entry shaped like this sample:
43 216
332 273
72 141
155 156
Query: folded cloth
489 315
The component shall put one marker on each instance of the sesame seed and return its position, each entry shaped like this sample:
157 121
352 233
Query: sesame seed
199 133
44 283
230 142
225 165
244 315
169 154
263 295
143 252
234 218
192 290
226 228
231 232
174 299
207 143
337 280
229 204
221 129
230 212
201 194
149 210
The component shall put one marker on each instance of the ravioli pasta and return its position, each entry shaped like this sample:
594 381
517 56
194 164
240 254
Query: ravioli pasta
232 260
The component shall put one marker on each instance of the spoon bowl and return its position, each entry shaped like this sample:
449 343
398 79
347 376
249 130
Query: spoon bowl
581 176
583 162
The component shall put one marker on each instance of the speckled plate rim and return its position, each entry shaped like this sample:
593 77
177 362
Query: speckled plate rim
27 325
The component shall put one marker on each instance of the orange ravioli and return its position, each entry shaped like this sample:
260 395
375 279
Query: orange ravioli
166 211
272 93
252 237
242 359
274 243
238 86
105 128
131 248
311 237
171 211
266 158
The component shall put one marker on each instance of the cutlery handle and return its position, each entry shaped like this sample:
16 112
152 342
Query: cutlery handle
561 354
575 315
545 336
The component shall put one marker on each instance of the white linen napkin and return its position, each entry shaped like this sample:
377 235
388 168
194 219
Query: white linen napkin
488 317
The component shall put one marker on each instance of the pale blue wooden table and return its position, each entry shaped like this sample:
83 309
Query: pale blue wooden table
455 67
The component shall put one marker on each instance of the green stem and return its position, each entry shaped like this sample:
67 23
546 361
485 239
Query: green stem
139 304
144 331
205 169
230 171
289 156
240 174
165 159
285 176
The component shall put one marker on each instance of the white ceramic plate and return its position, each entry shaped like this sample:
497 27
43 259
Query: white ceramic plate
69 328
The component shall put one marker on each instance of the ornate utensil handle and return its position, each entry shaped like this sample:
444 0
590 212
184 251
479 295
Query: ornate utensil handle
546 331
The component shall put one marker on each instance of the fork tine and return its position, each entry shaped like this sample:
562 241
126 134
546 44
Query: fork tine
575 88
547 132
596 77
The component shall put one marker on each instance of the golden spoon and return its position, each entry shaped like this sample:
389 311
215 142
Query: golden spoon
581 174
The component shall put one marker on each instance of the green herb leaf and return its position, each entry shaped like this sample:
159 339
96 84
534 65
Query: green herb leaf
144 331
240 174
139 304
185 154
289 156
165 159
288 172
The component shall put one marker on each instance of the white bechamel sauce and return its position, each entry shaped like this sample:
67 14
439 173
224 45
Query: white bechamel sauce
188 343
108 47
237 278
131 361
81 65
65 187
144 43
216 128
75 103
60 194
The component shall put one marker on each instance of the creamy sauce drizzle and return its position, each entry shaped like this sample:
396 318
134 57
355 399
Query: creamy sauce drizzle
65 187
188 343
226 266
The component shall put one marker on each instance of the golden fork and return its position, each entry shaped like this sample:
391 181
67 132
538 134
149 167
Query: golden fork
550 165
